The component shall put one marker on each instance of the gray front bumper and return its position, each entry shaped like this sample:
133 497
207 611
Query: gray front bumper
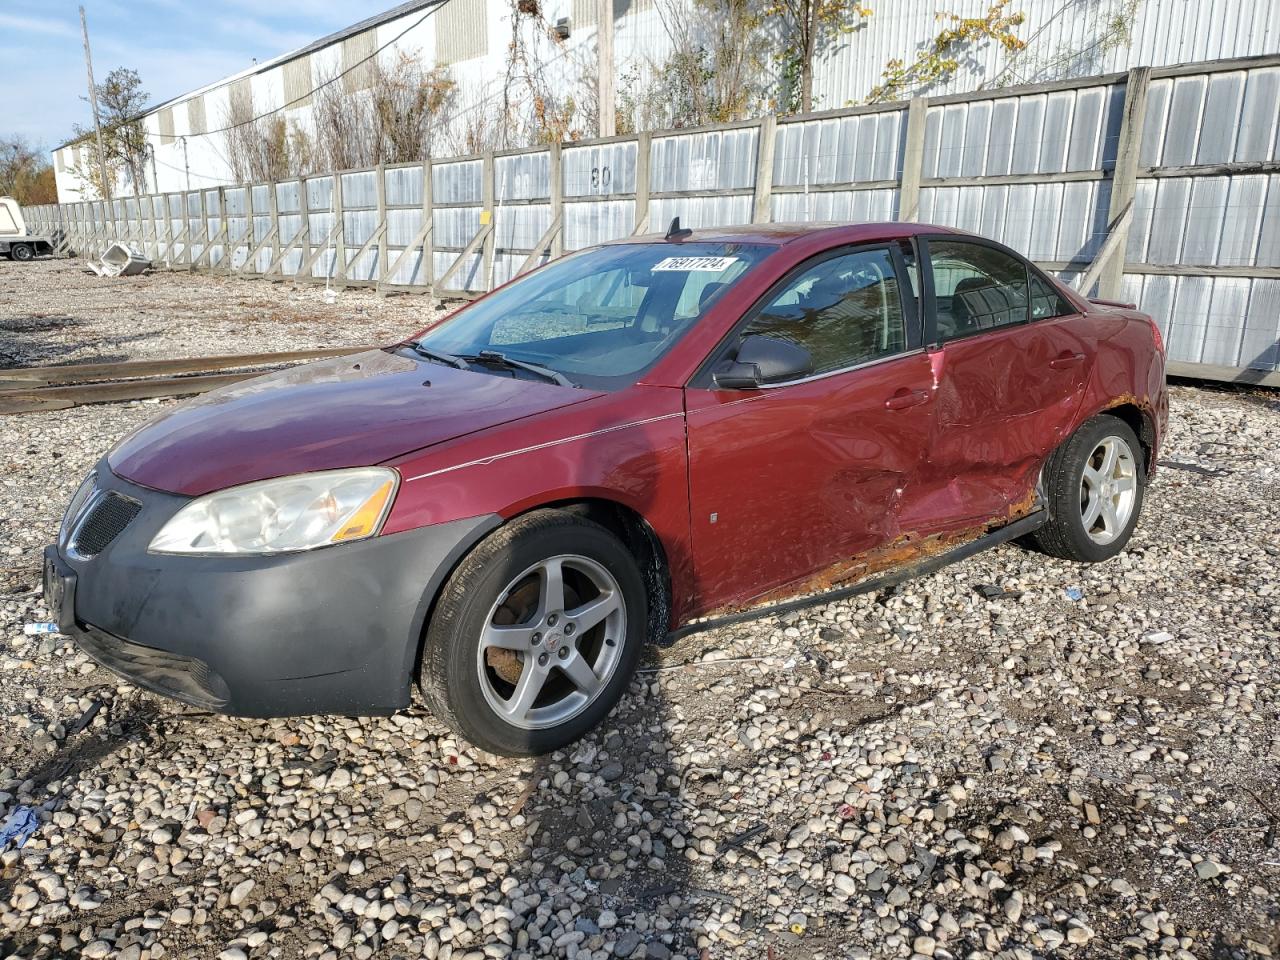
333 630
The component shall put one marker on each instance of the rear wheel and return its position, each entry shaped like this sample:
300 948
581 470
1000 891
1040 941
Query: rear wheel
1094 485
21 251
536 635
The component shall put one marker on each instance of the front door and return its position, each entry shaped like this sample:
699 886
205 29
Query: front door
790 480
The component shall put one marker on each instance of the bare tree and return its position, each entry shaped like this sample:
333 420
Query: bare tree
265 147
24 173
715 72
398 119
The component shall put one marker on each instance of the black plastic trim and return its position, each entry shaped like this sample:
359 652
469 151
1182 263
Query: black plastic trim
1019 528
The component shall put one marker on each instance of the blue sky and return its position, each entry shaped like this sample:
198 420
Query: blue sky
176 45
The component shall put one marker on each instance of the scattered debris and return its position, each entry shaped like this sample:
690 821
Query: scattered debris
86 718
120 261
1195 468
22 823
1157 636
1074 593
989 591
37 629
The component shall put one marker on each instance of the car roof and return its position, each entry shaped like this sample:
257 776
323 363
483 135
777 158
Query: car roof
778 234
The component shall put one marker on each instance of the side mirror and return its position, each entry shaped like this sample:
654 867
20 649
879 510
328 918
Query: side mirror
762 360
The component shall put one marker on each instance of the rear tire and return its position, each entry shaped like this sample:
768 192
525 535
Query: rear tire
1094 485
536 635
21 251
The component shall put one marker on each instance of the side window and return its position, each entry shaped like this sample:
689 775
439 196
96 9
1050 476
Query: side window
844 311
1046 301
976 288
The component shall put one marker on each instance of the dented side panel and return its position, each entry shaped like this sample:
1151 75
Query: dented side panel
783 481
1004 399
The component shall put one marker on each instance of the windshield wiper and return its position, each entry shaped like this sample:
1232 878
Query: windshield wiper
439 356
502 360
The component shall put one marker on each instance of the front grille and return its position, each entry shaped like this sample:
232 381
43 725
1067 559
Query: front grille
106 518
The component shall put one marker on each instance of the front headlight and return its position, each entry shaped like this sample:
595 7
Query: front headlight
278 516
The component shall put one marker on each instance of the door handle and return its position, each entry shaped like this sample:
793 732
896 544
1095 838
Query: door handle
906 398
1066 360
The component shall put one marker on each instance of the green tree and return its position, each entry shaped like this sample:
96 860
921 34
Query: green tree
938 60
121 102
805 29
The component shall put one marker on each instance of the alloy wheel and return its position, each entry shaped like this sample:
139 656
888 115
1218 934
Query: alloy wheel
551 642
1108 490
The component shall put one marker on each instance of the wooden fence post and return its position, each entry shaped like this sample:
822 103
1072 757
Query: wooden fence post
380 199
643 142
766 140
913 160
338 269
556 186
1124 181
304 208
427 272
487 218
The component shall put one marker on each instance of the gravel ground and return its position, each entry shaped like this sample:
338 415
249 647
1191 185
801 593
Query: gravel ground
57 312
921 773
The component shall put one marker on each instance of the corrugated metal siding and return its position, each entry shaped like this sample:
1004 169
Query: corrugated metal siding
525 176
298 82
1229 321
196 121
240 96
357 65
586 12
865 206
599 170
166 125
719 160
839 150
1069 130
1230 220
1063 42
462 31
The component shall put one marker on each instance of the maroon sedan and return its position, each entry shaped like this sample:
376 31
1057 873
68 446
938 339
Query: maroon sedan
698 427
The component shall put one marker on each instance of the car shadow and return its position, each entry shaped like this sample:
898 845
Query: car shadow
607 819
607 830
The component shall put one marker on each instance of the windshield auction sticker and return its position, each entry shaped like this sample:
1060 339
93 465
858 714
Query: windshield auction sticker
712 264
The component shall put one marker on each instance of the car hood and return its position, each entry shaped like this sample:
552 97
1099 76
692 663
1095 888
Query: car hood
346 412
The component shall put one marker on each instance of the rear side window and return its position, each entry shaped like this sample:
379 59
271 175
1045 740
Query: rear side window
1046 301
844 310
976 288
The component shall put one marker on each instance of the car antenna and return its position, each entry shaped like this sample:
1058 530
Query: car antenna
677 232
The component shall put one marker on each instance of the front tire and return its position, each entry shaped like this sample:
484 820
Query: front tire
1094 485
21 251
536 635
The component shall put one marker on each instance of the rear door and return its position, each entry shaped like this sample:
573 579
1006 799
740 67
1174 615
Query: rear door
1011 365
788 480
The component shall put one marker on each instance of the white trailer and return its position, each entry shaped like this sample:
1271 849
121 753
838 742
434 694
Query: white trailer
15 242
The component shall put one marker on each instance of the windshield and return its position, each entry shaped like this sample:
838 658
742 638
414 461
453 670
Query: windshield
600 317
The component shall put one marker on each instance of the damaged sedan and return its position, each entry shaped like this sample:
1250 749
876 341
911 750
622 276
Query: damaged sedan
638 440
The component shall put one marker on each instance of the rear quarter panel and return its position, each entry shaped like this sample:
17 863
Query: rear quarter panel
1128 369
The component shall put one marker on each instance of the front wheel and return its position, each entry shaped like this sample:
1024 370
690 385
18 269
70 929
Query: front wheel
21 251
1094 485
536 635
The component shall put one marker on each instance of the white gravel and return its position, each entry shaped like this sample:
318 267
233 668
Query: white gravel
56 312
923 773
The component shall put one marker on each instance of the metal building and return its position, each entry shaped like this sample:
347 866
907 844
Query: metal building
1065 38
